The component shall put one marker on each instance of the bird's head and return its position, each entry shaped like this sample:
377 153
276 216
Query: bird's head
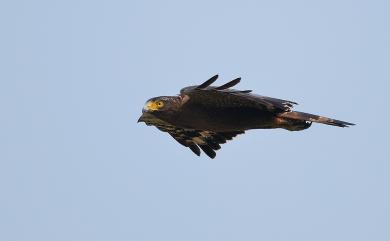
159 106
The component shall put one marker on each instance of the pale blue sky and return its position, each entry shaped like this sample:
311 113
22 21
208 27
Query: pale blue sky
75 165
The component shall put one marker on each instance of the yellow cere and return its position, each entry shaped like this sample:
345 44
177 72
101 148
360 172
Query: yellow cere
153 105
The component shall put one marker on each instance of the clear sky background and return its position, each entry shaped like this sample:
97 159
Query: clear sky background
75 165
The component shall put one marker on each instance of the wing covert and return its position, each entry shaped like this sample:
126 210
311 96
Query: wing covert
223 96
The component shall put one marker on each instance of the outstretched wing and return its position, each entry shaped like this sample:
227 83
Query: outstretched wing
196 140
223 96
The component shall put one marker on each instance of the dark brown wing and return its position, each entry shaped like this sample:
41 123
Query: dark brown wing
208 141
223 96
196 140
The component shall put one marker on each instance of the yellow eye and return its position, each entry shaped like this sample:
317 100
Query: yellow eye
160 104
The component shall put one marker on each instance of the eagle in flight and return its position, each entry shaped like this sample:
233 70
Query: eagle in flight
206 116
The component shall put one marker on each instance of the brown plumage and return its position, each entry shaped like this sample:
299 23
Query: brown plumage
202 117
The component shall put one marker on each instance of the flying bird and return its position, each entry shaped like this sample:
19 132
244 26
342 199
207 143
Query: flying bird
203 117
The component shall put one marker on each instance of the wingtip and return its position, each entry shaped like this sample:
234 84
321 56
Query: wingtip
229 84
208 151
195 149
208 82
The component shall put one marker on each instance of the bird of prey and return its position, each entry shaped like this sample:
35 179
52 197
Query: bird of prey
205 116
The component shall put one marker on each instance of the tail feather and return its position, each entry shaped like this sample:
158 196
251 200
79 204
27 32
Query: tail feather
296 115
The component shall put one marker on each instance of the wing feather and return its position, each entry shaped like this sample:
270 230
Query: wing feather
229 84
195 149
197 140
208 150
223 96
208 82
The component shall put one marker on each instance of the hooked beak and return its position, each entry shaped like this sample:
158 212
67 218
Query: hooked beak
141 118
144 117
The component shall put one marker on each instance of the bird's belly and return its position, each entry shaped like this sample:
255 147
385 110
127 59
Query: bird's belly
225 119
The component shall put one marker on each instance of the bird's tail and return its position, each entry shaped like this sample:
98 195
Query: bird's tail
301 116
